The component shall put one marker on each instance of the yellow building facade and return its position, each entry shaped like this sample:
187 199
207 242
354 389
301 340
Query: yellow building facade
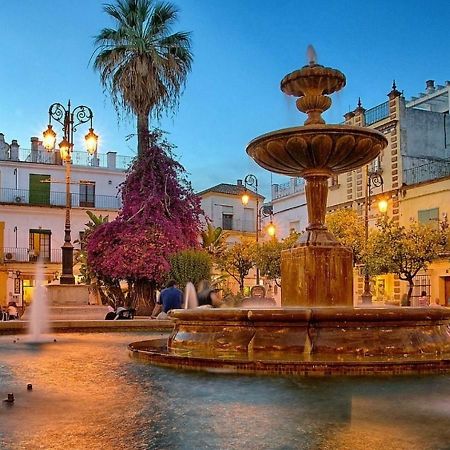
415 167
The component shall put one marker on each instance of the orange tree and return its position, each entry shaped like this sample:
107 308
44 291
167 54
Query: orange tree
237 260
268 256
406 250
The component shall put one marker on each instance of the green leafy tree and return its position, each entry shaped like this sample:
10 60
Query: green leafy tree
237 260
406 250
141 62
190 265
348 228
268 256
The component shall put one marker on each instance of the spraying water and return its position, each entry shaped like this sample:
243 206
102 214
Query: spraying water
311 54
39 323
190 296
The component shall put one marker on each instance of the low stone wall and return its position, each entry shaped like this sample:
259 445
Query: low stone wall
70 326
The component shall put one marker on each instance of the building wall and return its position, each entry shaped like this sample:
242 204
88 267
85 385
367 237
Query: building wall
18 215
414 136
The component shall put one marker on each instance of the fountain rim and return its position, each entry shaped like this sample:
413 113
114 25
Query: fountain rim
312 314
315 129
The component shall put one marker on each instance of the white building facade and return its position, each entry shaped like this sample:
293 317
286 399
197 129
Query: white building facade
32 208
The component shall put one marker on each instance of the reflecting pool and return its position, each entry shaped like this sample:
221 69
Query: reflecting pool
89 394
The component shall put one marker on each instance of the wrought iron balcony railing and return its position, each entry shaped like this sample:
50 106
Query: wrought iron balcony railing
15 254
24 196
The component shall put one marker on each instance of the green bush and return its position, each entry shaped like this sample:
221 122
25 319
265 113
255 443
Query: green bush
190 265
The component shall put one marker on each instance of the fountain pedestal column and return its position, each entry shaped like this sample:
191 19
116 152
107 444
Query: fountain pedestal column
319 271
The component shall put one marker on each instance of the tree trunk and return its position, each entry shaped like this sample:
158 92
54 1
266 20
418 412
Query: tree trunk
410 289
142 132
143 295
241 284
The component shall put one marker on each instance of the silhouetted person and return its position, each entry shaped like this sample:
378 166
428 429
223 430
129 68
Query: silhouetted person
170 298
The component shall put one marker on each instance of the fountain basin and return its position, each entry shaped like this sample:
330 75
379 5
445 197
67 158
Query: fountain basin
306 340
316 149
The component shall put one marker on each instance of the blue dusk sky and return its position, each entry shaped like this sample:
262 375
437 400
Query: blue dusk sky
242 49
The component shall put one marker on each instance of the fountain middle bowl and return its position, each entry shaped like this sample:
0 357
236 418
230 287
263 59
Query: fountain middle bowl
323 149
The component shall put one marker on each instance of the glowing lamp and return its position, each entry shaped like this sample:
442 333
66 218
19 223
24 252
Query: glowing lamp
49 138
271 230
64 149
91 141
383 205
245 198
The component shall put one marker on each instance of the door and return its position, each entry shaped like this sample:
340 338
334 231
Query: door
39 189
447 291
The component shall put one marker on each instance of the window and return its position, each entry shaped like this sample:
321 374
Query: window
375 166
334 181
40 245
294 226
227 221
87 194
39 189
429 217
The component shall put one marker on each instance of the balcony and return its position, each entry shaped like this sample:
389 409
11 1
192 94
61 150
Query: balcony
427 172
25 255
243 226
23 197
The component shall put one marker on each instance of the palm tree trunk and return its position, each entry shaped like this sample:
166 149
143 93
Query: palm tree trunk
142 130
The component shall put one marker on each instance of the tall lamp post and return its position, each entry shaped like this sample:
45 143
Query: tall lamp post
374 180
70 120
263 211
251 180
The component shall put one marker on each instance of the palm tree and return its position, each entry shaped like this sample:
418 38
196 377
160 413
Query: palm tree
214 240
141 62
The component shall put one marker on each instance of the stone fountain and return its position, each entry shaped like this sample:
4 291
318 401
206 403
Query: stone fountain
317 329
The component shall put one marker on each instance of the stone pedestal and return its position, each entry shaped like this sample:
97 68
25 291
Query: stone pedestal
317 276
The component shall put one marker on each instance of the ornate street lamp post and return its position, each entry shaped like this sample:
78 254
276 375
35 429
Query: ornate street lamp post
251 180
263 211
374 180
70 120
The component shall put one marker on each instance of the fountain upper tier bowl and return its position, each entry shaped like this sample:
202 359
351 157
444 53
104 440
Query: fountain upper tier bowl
316 149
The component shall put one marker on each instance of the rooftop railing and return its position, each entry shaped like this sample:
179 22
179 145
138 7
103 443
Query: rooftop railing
26 197
377 113
289 188
104 160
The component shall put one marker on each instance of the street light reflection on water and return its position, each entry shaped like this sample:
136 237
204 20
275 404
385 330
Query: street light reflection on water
88 394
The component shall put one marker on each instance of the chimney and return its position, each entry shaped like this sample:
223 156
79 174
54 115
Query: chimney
239 182
34 149
111 158
430 86
14 150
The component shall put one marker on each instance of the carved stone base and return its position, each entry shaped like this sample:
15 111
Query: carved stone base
317 276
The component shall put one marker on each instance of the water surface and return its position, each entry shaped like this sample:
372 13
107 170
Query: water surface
89 394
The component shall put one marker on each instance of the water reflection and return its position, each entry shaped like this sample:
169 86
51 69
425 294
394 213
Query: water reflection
87 393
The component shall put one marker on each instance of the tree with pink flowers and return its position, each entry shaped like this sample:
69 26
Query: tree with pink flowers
159 217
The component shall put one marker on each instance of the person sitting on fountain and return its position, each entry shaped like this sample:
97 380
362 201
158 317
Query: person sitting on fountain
12 311
170 298
208 296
